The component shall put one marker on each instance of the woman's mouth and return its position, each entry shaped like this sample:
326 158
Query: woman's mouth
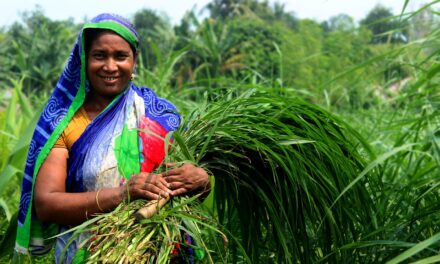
109 80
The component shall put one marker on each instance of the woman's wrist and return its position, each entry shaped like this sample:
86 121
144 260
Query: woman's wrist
109 198
97 201
123 194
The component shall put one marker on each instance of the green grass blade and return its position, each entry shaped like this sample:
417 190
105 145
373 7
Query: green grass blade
429 260
371 166
415 249
186 153
5 209
6 176
7 245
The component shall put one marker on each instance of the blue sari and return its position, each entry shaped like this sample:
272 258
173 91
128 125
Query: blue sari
126 138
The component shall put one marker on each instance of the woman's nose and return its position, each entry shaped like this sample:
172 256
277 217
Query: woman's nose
110 65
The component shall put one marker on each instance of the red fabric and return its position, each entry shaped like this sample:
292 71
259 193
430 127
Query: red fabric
152 135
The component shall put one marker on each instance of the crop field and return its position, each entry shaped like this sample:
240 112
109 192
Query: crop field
323 137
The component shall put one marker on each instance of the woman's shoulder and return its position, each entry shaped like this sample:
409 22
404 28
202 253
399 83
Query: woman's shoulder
151 99
158 108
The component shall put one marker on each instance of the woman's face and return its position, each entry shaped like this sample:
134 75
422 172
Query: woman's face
110 63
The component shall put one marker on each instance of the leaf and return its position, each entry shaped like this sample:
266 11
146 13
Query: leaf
7 244
6 175
404 7
183 146
371 166
429 260
296 142
5 208
415 249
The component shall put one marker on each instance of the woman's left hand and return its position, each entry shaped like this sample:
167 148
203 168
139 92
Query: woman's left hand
186 178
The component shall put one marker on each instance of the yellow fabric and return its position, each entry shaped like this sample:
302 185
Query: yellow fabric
73 130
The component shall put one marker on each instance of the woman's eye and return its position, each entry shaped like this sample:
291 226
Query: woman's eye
121 56
98 56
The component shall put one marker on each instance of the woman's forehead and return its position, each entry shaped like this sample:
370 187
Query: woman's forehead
109 39
94 33
94 36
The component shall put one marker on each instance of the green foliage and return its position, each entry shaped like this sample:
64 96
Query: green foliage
161 75
214 50
315 190
423 21
385 27
16 117
279 165
226 8
152 240
257 10
408 204
17 122
341 22
153 29
36 50
256 41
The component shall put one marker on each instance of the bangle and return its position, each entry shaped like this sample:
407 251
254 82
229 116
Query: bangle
87 202
97 200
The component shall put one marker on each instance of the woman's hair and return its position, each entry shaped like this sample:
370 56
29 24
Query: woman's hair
91 33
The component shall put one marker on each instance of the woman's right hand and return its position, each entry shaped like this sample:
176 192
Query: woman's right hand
146 186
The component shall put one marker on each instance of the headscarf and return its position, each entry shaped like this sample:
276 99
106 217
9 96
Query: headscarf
128 134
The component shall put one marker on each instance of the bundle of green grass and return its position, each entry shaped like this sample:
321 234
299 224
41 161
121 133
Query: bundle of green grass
283 192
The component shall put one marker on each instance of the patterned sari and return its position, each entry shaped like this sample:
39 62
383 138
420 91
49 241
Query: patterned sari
126 138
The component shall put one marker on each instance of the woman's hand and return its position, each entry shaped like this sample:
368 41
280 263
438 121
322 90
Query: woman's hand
186 178
147 186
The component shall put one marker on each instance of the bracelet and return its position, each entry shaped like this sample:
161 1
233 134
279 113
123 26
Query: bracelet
97 200
87 212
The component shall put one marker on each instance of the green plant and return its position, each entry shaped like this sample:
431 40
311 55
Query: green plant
15 133
279 164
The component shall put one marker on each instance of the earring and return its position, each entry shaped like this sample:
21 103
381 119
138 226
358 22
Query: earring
132 76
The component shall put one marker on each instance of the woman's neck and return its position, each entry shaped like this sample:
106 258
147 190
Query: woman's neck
94 105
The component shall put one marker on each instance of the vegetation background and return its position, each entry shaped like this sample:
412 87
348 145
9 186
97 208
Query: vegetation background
380 78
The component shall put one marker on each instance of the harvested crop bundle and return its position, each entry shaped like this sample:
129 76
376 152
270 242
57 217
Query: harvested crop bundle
176 232
280 166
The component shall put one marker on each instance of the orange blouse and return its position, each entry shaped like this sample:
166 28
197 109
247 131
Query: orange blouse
74 129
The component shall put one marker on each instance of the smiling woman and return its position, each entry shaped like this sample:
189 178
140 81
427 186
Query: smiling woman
110 65
97 142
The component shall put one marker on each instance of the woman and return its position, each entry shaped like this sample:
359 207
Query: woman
97 141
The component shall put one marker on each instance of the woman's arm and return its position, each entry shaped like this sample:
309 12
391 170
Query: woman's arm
53 204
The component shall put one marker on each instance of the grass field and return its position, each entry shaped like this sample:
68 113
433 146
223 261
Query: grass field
342 167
